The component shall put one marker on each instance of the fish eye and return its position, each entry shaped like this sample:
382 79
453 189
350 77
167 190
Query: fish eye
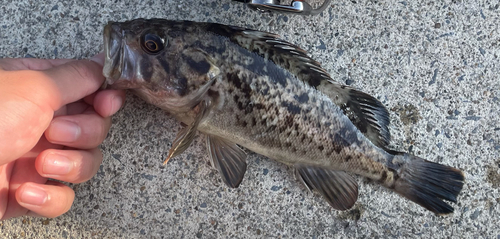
152 43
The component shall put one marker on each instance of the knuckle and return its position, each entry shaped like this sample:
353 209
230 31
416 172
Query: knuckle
105 129
99 135
78 174
102 129
95 130
89 165
70 199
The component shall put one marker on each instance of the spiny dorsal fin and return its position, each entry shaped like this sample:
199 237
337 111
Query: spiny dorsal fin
365 112
271 47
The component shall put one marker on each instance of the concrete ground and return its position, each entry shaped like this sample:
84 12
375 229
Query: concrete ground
434 64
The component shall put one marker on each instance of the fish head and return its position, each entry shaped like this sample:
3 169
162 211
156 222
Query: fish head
155 59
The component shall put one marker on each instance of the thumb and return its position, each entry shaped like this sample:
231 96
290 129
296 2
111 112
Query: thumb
75 80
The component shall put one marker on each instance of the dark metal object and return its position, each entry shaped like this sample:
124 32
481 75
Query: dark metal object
296 7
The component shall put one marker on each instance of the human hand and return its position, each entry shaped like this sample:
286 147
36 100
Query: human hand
51 123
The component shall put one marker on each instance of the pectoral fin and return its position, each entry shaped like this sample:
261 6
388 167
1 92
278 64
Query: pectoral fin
186 135
228 159
338 188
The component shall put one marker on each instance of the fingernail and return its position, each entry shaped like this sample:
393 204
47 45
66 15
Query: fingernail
99 58
56 164
63 131
33 195
116 103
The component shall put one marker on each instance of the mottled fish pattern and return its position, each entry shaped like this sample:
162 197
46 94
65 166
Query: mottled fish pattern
247 88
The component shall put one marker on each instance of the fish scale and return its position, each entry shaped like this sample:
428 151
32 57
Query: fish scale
245 88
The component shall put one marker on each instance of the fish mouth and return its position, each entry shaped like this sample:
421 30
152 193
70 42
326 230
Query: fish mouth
120 58
112 47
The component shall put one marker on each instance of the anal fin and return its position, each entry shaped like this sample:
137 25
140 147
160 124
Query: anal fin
338 188
228 159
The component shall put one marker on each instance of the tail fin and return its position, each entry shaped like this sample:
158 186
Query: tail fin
428 183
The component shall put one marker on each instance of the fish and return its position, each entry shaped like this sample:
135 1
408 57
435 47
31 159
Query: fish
245 89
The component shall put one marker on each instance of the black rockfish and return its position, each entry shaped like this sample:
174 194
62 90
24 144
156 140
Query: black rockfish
241 87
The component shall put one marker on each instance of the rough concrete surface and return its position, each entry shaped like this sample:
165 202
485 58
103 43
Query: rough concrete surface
434 64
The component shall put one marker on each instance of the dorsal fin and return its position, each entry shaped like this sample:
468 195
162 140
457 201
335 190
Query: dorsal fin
365 112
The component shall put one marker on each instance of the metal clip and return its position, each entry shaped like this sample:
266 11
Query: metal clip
296 7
